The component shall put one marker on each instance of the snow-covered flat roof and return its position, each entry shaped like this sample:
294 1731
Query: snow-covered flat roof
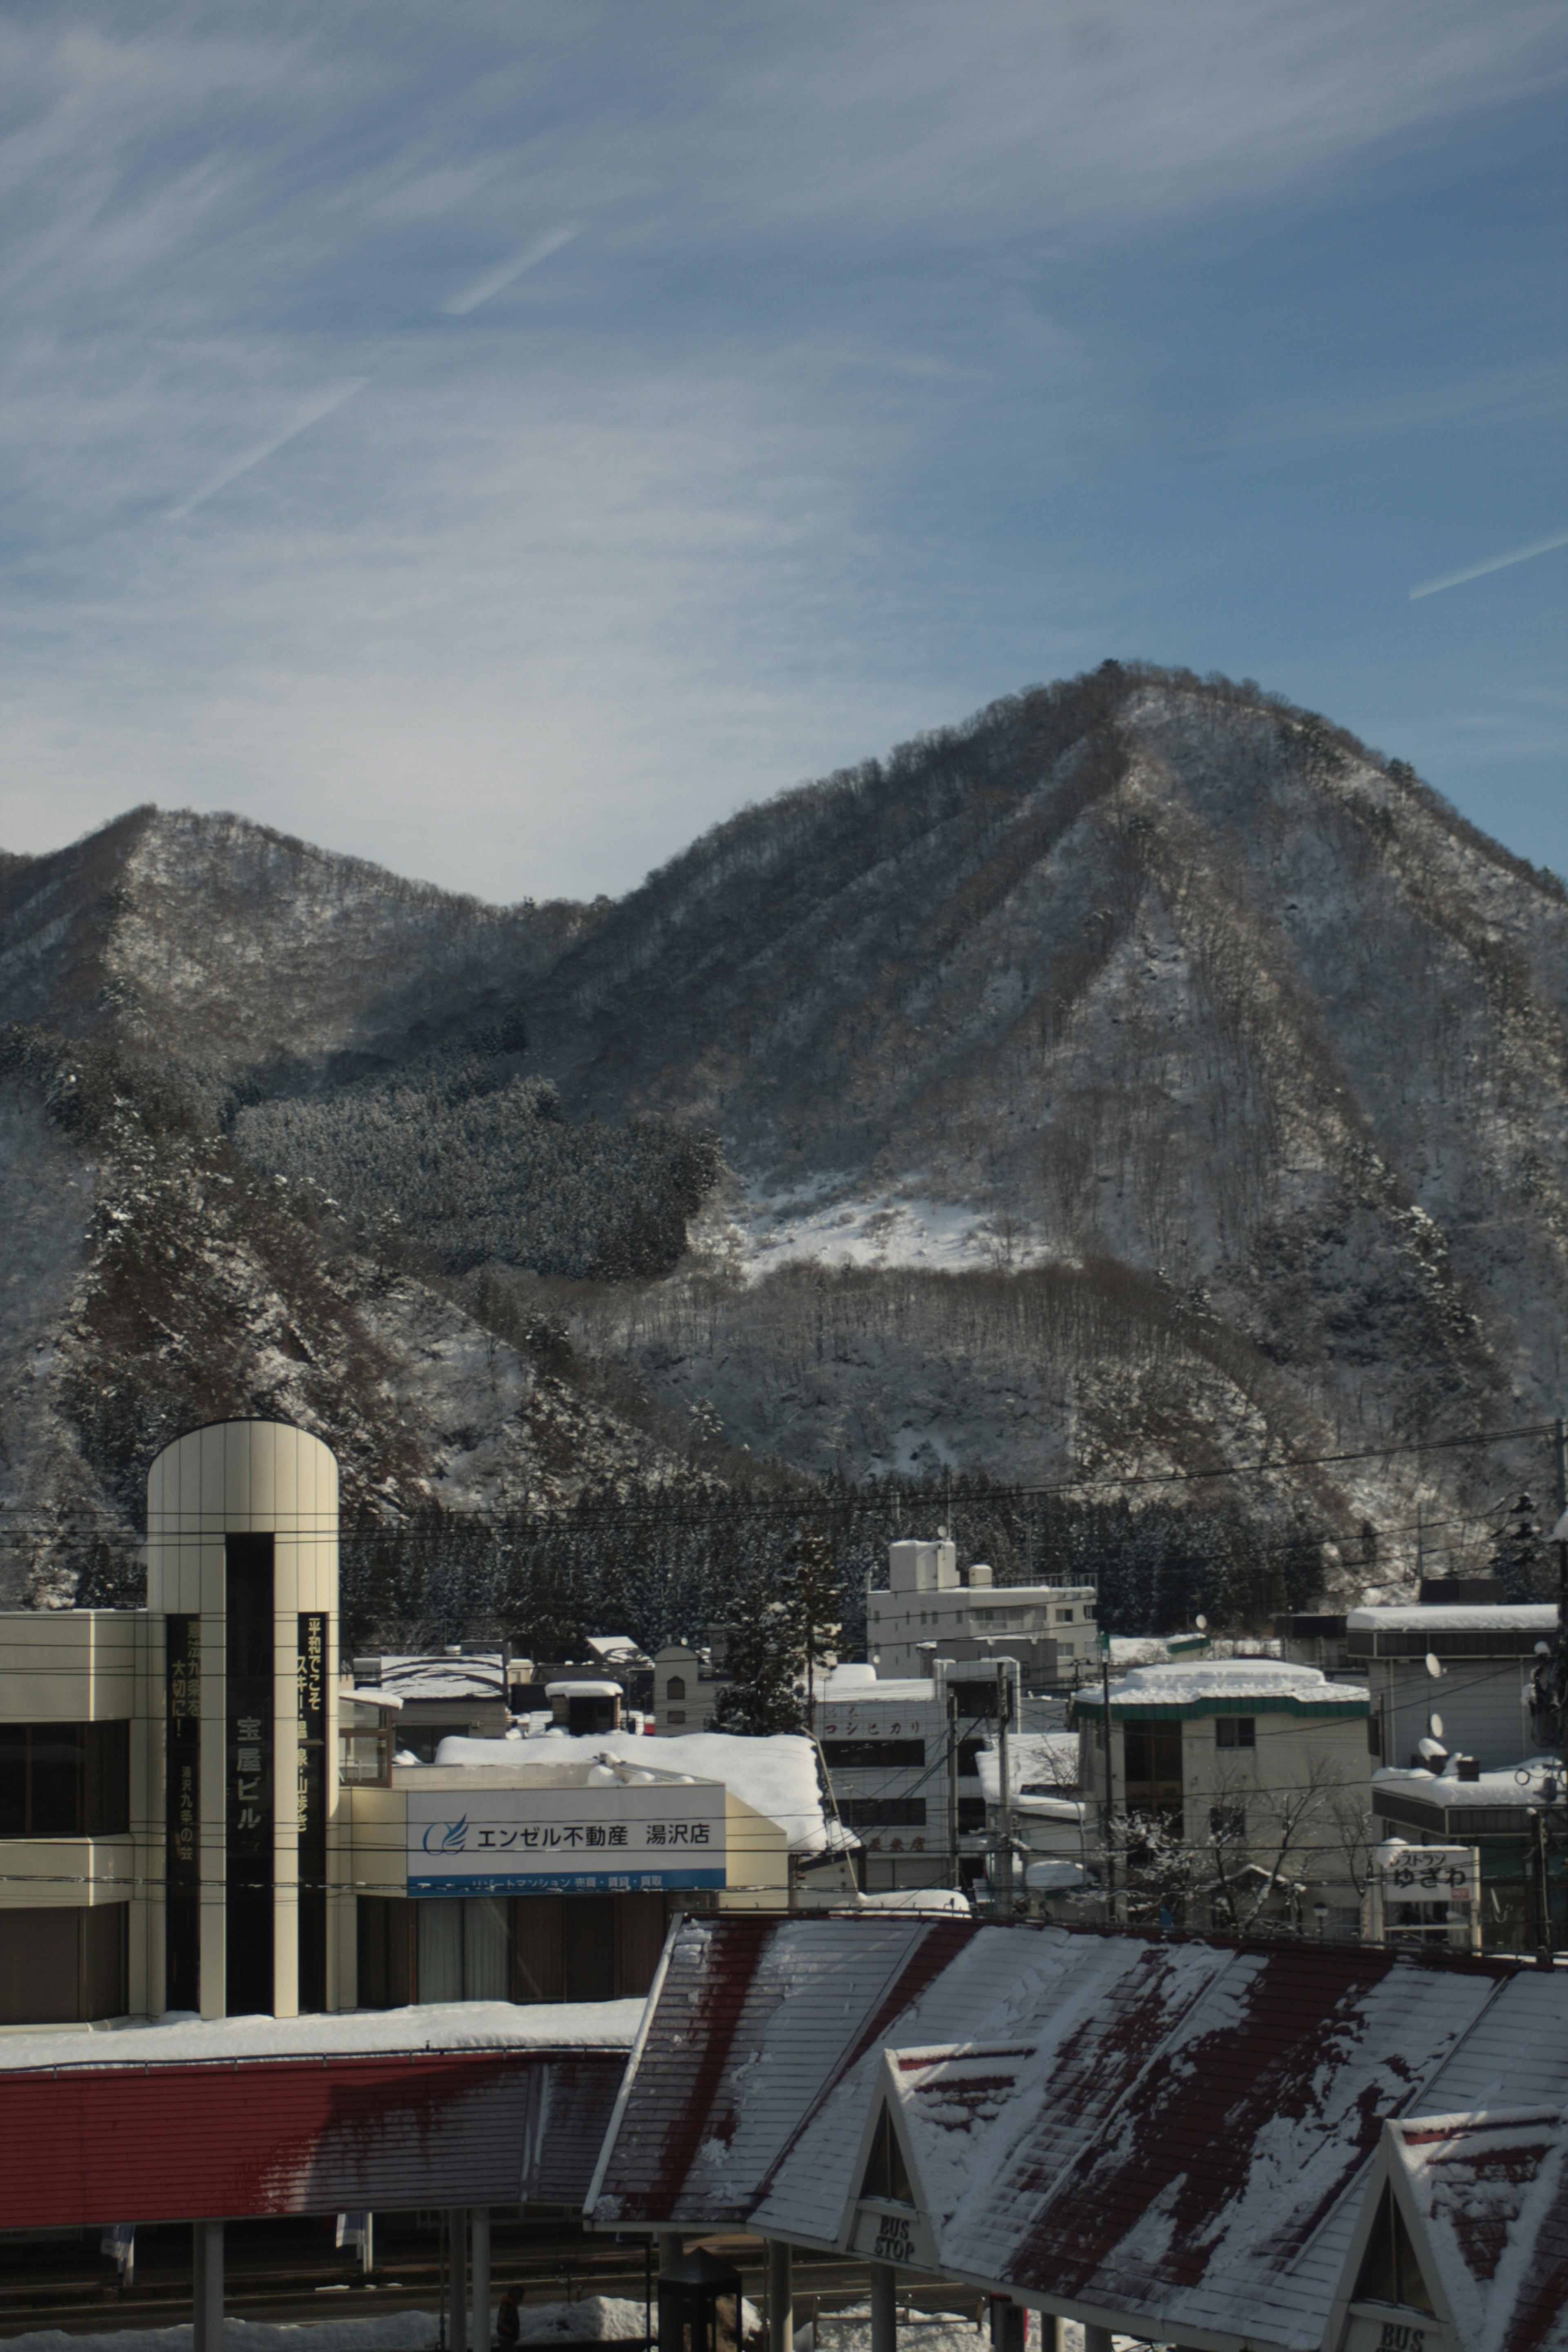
1514 1784
776 1777
1227 1682
1523 1616
1040 1765
180 2040
898 1690
422 1678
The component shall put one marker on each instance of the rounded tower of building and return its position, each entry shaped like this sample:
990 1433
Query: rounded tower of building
242 1593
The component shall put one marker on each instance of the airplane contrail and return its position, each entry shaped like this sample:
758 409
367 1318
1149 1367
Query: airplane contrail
303 419
1496 563
495 280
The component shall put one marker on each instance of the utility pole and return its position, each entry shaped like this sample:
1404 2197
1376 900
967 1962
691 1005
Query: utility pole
1109 1786
953 1790
1004 1855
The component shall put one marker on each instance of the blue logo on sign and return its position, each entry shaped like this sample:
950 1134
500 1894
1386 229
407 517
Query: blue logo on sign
453 1836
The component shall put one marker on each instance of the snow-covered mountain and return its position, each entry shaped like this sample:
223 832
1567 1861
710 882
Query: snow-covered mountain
1144 1077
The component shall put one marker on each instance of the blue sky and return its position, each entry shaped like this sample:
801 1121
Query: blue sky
502 440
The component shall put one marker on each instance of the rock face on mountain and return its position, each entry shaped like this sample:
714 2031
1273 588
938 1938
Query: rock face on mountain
1141 1079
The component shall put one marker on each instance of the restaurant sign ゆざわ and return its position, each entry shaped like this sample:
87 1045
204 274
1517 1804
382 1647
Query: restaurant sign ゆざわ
628 1841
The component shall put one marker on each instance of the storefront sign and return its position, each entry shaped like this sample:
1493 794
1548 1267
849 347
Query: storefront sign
624 1840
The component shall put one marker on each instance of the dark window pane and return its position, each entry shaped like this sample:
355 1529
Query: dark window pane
640 1921
536 1948
838 1753
40 1968
588 1946
106 1796
1246 1731
56 1779
885 1812
13 1779
105 1947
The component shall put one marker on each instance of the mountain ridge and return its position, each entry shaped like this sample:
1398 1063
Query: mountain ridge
1143 1077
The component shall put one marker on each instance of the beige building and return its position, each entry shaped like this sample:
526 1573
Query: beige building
198 1813
1261 1770
932 1610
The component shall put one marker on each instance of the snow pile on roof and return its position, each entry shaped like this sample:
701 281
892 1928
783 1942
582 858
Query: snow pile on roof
1501 1617
1041 1765
181 2039
917 1898
443 1678
838 1682
1512 1784
776 1777
1228 1679
898 1690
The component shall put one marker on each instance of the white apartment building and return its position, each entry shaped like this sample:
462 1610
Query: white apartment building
885 1745
932 1609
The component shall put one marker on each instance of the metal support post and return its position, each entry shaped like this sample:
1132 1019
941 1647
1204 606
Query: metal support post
206 2285
781 2300
1052 2338
481 2335
672 2246
884 2308
1009 2321
1097 2339
457 2279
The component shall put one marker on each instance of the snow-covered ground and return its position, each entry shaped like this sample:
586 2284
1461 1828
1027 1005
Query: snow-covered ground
924 2331
595 2319
839 1226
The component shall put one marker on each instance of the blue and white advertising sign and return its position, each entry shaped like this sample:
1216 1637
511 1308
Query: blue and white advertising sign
607 1841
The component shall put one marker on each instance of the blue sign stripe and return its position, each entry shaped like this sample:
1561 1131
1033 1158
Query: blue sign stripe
570 1881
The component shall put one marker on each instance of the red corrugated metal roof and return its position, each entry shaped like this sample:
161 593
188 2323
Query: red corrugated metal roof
85 2146
1180 2133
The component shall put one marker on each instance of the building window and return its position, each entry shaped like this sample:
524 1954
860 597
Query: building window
65 1779
840 1755
1235 1730
676 1715
1064 1616
463 1949
60 1967
1151 1754
675 1688
971 1814
883 1813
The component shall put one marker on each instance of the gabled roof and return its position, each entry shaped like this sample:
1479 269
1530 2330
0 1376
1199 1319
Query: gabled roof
1492 2237
1172 2133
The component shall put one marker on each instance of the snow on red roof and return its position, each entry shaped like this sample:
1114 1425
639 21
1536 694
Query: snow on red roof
1177 2132
1489 2189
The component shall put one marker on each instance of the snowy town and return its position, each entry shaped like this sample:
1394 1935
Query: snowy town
784 1176
1117 1993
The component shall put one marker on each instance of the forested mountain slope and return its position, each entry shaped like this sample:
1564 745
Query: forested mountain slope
1142 1079
1143 973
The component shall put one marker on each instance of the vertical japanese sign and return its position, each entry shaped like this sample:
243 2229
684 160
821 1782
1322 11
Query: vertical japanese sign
310 1805
183 1810
249 1702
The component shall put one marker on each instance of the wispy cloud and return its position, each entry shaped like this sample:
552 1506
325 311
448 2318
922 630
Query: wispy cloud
804 448
1493 563
325 405
496 282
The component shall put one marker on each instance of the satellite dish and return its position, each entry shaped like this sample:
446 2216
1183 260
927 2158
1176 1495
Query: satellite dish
1432 1667
1202 1624
1435 1724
